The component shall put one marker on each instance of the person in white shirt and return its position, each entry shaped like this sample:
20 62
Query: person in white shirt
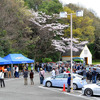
41 75
53 72
16 71
2 78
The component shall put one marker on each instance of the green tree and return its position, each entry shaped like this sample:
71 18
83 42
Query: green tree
34 4
45 60
82 26
50 7
14 25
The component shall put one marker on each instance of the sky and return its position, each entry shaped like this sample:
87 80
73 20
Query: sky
89 4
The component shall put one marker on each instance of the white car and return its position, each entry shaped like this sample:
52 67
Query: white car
61 79
91 89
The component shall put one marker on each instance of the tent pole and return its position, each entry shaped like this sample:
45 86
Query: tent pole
12 70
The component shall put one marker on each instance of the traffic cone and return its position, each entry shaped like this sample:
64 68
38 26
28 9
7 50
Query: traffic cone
64 88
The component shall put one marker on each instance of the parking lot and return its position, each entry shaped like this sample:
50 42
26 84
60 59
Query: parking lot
16 90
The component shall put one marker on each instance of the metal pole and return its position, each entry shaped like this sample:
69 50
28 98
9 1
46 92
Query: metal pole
71 53
12 70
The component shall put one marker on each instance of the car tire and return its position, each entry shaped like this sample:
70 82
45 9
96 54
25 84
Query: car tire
48 84
88 92
75 87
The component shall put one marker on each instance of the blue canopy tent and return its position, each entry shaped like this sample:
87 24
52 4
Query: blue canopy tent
4 62
18 59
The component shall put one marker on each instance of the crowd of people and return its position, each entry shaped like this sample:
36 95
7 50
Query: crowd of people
90 74
56 69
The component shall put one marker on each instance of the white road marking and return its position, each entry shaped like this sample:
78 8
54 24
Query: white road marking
76 95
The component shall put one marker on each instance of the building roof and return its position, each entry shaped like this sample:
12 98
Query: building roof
68 53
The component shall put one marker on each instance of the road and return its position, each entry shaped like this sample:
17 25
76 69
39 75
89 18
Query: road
16 90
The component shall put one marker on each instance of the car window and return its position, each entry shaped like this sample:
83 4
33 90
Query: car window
60 76
79 76
73 76
65 76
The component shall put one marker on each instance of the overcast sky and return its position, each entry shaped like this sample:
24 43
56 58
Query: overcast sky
90 4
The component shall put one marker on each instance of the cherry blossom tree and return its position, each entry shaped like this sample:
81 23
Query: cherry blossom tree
49 28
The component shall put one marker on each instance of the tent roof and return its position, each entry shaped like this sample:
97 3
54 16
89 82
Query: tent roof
18 59
3 61
78 58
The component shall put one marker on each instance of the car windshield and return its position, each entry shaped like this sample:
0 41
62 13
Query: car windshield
60 76
78 76
64 76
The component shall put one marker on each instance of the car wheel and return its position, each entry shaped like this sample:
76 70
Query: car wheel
75 87
88 92
48 84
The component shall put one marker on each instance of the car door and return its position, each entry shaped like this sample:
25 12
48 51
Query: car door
98 89
65 79
57 81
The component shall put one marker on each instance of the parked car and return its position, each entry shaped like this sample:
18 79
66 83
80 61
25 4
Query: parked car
91 89
61 79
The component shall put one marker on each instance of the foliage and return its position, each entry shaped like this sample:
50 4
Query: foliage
33 4
33 34
96 61
14 25
45 60
92 49
82 26
50 7
95 45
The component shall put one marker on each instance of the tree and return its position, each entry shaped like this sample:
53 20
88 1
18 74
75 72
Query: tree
44 30
34 4
51 36
14 22
82 26
50 7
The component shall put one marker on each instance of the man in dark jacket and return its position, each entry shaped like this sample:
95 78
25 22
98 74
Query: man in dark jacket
31 77
90 74
68 83
25 76
94 75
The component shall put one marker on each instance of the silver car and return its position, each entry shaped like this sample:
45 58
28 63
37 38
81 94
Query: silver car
61 79
91 89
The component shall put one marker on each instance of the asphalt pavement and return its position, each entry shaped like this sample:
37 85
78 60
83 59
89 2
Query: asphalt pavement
16 90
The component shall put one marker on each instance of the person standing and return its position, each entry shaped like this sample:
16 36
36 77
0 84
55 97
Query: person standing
32 65
57 71
53 72
94 75
84 73
31 77
68 83
9 71
90 74
41 74
25 77
67 71
2 78
16 71
27 66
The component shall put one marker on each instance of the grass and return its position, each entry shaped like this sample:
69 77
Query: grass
96 62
